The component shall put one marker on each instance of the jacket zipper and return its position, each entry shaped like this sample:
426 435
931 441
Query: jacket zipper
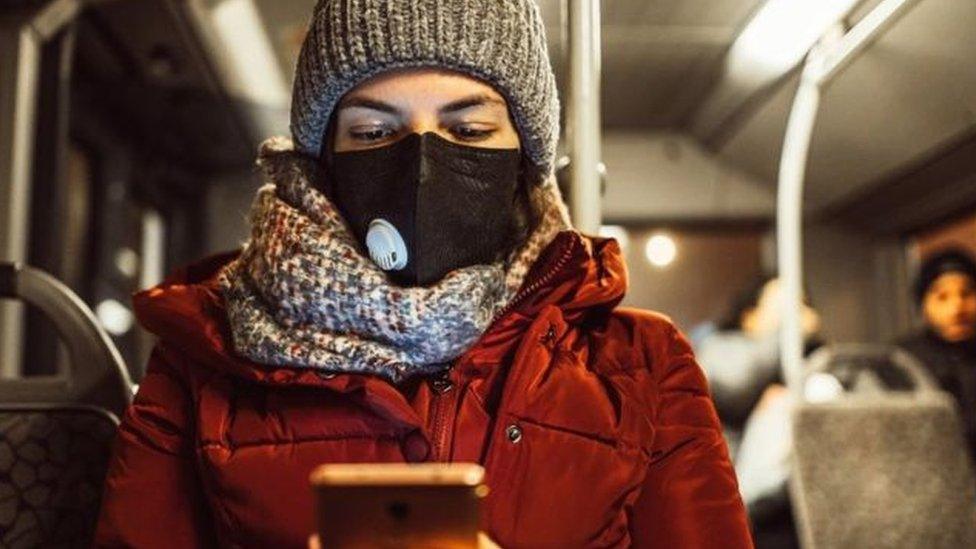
441 425
538 283
444 402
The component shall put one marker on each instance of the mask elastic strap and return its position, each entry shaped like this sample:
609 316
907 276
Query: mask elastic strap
326 181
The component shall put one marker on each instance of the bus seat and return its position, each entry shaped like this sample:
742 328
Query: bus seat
883 464
56 432
53 462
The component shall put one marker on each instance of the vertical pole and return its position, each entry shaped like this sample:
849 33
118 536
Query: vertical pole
789 223
583 126
19 69
21 39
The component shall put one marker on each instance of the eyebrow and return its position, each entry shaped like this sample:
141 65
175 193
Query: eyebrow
469 102
366 102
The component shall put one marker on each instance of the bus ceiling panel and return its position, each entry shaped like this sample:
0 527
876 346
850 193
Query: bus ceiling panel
939 187
158 41
677 13
652 81
285 21
905 98
662 57
185 129
160 86
46 18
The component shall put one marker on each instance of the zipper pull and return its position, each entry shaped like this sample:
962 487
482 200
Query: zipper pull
441 383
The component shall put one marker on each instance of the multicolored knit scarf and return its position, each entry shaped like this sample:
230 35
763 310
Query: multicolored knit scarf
302 293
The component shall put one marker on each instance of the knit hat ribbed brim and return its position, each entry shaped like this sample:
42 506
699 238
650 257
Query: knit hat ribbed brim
949 260
499 41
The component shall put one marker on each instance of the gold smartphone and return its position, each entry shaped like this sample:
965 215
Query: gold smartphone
386 505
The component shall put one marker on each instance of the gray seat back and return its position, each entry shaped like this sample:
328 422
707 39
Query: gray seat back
880 468
56 432
53 462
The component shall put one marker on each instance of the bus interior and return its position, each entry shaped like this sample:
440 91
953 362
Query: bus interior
128 134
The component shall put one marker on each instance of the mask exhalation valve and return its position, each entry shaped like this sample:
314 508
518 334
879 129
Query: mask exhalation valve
386 247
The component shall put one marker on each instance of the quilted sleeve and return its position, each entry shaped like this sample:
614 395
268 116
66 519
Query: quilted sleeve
690 497
152 495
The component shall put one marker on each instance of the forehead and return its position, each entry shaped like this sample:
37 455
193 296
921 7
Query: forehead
417 87
951 280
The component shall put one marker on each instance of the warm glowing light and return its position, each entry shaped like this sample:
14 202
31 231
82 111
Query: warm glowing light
661 250
114 317
127 262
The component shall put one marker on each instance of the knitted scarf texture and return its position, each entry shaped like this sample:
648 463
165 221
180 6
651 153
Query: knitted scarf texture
304 294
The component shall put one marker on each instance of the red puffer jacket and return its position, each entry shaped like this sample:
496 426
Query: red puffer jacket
594 424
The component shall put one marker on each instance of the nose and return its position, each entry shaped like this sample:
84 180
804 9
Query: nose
423 123
961 307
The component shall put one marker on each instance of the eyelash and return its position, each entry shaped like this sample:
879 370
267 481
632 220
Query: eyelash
467 133
460 132
372 135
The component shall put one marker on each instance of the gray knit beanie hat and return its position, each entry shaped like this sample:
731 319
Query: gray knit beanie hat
499 41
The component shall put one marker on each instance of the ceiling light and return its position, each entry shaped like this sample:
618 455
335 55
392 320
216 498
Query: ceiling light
661 250
248 48
781 33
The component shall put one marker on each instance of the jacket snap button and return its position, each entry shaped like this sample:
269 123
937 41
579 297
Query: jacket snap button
514 434
415 448
327 375
550 335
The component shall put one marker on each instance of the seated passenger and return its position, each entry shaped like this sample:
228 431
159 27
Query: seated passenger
740 357
412 291
740 354
945 290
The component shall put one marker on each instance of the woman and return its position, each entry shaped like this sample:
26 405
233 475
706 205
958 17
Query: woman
412 291
945 290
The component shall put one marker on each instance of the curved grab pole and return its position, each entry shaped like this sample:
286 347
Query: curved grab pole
96 372
789 223
823 64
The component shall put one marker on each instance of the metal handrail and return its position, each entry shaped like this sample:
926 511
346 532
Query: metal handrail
825 359
96 372
827 60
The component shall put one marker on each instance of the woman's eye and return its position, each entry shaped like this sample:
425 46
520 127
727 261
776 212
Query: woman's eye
371 134
467 132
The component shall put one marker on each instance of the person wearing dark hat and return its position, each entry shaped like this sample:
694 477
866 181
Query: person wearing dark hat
945 291
413 291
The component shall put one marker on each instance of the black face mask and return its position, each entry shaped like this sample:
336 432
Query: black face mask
424 206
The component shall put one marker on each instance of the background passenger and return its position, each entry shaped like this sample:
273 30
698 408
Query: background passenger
945 291
740 355
741 361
